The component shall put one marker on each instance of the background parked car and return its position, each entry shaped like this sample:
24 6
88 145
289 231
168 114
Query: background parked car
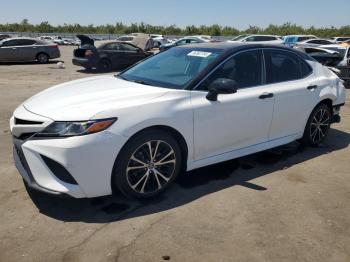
313 43
262 39
182 41
108 55
159 40
54 39
336 56
27 49
143 41
341 39
4 36
291 40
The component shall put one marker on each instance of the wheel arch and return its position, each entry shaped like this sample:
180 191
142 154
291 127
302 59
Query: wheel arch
327 101
168 129
42 52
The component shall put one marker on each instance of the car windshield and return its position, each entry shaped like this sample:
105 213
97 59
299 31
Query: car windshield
174 68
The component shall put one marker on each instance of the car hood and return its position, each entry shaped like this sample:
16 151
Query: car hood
84 98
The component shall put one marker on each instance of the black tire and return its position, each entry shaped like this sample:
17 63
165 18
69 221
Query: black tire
136 180
104 65
42 58
317 126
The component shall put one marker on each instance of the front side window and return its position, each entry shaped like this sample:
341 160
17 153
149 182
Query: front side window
127 47
10 43
244 68
282 66
174 68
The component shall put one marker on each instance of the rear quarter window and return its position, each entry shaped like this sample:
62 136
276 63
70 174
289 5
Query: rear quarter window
284 66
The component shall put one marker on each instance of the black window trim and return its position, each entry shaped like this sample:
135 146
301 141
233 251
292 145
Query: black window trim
195 88
264 83
301 60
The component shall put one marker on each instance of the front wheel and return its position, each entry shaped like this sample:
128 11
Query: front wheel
147 164
317 126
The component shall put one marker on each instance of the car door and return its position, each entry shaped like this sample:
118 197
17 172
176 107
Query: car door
234 121
26 49
294 87
112 52
9 51
132 54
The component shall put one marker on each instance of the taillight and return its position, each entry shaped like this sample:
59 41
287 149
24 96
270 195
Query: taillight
53 46
88 53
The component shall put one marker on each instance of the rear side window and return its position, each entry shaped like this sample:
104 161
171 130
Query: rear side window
284 66
244 68
26 42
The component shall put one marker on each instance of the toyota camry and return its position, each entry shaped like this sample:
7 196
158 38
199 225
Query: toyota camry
179 110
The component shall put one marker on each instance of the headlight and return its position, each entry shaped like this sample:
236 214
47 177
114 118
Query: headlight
66 129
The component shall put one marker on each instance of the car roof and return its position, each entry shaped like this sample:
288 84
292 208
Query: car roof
20 38
232 47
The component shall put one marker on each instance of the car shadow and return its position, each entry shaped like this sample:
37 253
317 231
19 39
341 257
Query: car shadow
95 71
29 63
189 186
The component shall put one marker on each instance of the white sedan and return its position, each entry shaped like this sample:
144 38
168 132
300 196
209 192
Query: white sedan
181 109
261 39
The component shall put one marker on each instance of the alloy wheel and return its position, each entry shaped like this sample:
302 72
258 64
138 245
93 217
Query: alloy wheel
319 125
151 167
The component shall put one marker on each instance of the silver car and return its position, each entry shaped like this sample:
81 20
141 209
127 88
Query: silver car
313 43
27 49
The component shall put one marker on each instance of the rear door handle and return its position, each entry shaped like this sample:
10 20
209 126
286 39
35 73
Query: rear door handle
265 95
312 87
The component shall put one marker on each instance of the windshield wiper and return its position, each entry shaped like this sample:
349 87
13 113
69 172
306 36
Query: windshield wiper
135 81
141 82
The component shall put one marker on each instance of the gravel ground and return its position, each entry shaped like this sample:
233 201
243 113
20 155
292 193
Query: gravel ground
286 204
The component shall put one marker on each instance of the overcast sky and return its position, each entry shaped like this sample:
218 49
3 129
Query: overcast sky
240 14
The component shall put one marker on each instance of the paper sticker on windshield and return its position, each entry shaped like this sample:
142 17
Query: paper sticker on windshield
199 54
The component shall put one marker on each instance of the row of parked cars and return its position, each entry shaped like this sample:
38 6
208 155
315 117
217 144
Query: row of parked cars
129 49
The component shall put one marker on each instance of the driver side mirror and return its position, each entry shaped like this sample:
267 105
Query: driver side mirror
221 86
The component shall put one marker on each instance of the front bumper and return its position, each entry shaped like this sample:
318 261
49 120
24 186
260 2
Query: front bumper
84 62
87 159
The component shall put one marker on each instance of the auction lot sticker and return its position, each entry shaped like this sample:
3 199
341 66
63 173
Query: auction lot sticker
199 54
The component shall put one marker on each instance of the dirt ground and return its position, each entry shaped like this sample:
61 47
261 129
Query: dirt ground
286 204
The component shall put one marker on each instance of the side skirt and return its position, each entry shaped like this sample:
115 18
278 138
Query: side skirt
242 151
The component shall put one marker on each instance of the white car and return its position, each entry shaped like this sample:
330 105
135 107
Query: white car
340 39
54 39
261 39
313 43
159 40
181 109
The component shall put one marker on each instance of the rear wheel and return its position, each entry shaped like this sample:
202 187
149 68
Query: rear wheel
42 58
104 65
147 165
317 126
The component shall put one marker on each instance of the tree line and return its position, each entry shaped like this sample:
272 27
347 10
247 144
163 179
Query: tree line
214 30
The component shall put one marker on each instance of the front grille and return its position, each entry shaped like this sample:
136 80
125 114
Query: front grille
25 136
19 121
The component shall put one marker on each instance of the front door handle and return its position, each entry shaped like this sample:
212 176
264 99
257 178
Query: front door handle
312 87
265 95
